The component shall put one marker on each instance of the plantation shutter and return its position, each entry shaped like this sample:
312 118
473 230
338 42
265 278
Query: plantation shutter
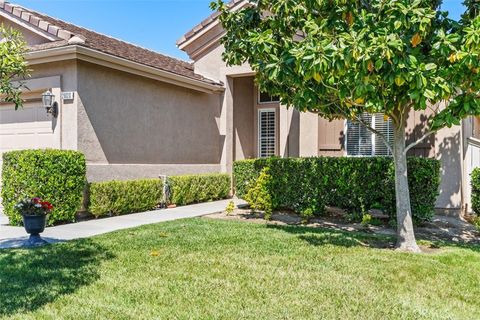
384 126
266 133
359 138
362 142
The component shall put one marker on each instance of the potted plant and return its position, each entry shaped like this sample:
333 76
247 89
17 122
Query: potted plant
34 213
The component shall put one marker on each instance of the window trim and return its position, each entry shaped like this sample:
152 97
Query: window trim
259 101
259 130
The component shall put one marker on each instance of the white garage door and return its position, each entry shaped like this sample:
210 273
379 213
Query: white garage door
27 128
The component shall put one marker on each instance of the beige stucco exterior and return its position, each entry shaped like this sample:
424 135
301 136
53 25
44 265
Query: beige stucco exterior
135 122
305 134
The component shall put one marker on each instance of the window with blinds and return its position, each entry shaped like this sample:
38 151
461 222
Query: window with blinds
362 142
267 139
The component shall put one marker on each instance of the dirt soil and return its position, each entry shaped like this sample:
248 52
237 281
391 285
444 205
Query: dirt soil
442 228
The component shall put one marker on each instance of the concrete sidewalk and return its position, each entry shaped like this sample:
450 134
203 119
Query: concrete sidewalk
13 237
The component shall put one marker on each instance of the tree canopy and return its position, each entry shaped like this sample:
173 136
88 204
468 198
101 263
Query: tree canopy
13 67
342 58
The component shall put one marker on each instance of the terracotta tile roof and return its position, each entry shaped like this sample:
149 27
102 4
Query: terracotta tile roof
205 23
65 31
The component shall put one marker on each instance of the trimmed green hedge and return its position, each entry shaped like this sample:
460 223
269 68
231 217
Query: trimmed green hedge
475 183
310 184
115 198
57 176
124 197
199 188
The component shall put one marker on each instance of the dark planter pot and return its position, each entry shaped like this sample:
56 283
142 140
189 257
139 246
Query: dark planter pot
34 225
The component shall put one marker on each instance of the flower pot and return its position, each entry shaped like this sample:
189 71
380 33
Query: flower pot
34 225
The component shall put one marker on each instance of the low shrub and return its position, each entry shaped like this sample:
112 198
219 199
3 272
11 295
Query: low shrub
190 189
57 176
307 185
115 198
259 196
475 184
476 223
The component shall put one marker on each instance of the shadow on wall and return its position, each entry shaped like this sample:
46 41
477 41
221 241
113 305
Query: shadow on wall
293 138
451 172
133 120
445 148
33 278
416 128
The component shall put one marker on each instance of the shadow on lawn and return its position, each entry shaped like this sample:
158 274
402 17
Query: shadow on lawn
323 237
32 278
348 239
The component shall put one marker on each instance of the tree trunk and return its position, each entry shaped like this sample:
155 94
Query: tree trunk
405 233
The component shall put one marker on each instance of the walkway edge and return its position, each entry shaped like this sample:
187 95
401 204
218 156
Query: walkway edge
13 237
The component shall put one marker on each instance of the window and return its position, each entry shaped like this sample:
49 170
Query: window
362 142
267 135
264 97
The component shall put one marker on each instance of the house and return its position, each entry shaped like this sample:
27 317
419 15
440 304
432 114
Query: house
137 113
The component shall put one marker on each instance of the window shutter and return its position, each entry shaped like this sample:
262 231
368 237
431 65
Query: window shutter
266 133
386 128
359 138
362 142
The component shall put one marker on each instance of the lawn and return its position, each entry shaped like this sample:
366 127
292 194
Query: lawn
212 269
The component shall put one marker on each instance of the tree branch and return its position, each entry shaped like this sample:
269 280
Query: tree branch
425 136
381 135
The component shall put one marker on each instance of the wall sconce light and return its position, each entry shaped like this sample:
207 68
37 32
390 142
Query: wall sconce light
50 104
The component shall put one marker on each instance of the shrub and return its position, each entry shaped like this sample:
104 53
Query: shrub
307 185
230 208
123 197
199 188
57 176
476 223
475 183
259 196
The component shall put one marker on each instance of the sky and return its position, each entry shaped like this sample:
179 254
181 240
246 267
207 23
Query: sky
153 24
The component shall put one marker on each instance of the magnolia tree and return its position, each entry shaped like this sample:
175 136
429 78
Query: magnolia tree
13 66
344 58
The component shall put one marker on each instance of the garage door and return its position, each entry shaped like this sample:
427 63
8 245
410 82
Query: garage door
27 128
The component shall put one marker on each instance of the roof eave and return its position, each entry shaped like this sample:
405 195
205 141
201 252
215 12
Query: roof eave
201 29
97 57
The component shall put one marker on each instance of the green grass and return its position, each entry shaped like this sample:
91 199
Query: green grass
208 269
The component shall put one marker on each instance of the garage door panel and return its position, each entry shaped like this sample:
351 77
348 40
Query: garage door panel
29 127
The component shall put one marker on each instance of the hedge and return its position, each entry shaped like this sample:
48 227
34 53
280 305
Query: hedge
124 197
475 183
199 188
354 184
57 176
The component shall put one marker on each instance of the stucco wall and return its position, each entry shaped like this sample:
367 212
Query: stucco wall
448 151
127 119
67 119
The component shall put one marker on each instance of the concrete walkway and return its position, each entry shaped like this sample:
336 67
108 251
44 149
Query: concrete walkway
14 237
